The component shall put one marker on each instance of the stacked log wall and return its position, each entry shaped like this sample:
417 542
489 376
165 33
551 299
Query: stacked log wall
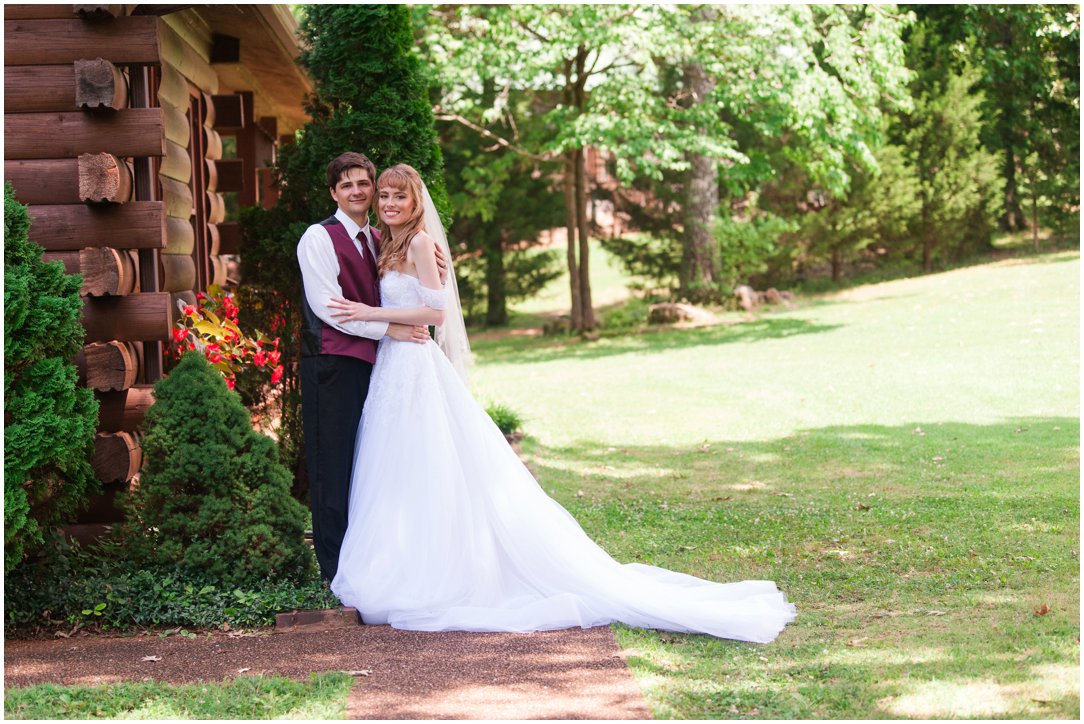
74 143
114 127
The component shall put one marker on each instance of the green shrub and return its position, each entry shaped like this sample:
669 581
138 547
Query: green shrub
629 315
213 499
49 422
97 586
505 418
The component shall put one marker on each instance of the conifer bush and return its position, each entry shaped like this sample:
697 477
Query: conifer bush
49 421
213 499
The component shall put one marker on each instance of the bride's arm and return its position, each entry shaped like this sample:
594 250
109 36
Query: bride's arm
422 253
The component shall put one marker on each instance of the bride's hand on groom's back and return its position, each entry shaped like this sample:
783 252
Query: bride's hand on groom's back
442 264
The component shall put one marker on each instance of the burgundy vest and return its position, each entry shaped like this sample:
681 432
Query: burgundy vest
359 284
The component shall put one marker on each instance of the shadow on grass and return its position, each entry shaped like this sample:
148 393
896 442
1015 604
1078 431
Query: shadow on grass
916 554
526 350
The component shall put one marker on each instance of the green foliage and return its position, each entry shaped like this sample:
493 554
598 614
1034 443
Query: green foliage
502 201
744 244
102 586
213 499
49 422
322 697
505 418
370 96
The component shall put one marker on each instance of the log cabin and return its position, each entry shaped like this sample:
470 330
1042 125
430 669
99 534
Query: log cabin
135 133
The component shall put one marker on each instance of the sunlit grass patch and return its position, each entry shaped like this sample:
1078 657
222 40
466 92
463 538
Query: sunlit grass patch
323 696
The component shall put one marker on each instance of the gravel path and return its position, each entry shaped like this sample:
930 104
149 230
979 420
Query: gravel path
572 674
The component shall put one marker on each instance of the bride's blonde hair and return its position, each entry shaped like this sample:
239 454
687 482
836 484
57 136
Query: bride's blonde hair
393 247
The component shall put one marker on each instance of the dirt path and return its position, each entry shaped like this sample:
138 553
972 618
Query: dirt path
573 674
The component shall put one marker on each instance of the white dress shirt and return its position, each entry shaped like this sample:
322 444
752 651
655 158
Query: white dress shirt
320 274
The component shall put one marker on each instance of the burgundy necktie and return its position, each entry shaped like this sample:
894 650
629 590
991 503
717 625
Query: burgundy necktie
366 252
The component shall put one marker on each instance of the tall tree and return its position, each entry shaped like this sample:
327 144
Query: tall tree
370 95
1029 60
589 72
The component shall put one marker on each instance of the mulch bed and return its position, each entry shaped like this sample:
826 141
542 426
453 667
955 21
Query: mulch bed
571 674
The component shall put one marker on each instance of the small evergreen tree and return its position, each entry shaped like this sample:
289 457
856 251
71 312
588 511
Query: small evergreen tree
213 500
49 422
370 95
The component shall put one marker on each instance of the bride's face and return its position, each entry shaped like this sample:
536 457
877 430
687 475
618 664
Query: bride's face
395 206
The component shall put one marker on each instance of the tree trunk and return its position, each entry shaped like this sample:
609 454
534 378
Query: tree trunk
1035 218
575 315
586 308
1013 220
700 265
496 306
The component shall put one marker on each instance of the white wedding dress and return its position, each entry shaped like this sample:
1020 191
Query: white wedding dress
449 531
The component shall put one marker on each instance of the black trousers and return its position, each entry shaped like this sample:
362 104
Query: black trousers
333 390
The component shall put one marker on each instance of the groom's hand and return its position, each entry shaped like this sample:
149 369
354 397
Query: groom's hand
442 264
408 332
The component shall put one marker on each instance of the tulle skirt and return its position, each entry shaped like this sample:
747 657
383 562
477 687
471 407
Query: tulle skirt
449 531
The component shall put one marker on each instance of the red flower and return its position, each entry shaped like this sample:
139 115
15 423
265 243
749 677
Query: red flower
212 347
214 358
189 310
259 359
273 357
201 295
229 382
191 346
277 374
179 334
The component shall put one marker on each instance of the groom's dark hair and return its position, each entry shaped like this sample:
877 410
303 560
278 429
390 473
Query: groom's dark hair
344 163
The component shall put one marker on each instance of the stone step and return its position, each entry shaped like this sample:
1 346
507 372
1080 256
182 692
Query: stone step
325 620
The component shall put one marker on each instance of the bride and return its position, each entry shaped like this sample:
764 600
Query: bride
448 530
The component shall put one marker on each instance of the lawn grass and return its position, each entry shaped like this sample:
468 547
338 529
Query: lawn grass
902 458
323 696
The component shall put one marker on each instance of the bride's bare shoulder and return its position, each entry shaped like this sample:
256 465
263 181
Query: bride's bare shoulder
422 241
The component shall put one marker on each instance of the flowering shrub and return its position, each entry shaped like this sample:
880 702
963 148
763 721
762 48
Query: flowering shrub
210 327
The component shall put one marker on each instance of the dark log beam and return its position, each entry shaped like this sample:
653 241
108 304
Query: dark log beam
146 316
100 84
104 178
107 365
65 227
231 174
229 237
39 88
39 12
130 132
124 410
105 271
50 181
229 113
117 457
124 40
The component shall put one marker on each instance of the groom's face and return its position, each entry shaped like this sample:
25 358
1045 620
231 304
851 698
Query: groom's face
354 193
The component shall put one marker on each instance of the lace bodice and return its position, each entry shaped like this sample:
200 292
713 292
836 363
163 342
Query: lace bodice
403 290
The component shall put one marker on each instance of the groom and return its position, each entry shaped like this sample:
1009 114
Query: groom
338 258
